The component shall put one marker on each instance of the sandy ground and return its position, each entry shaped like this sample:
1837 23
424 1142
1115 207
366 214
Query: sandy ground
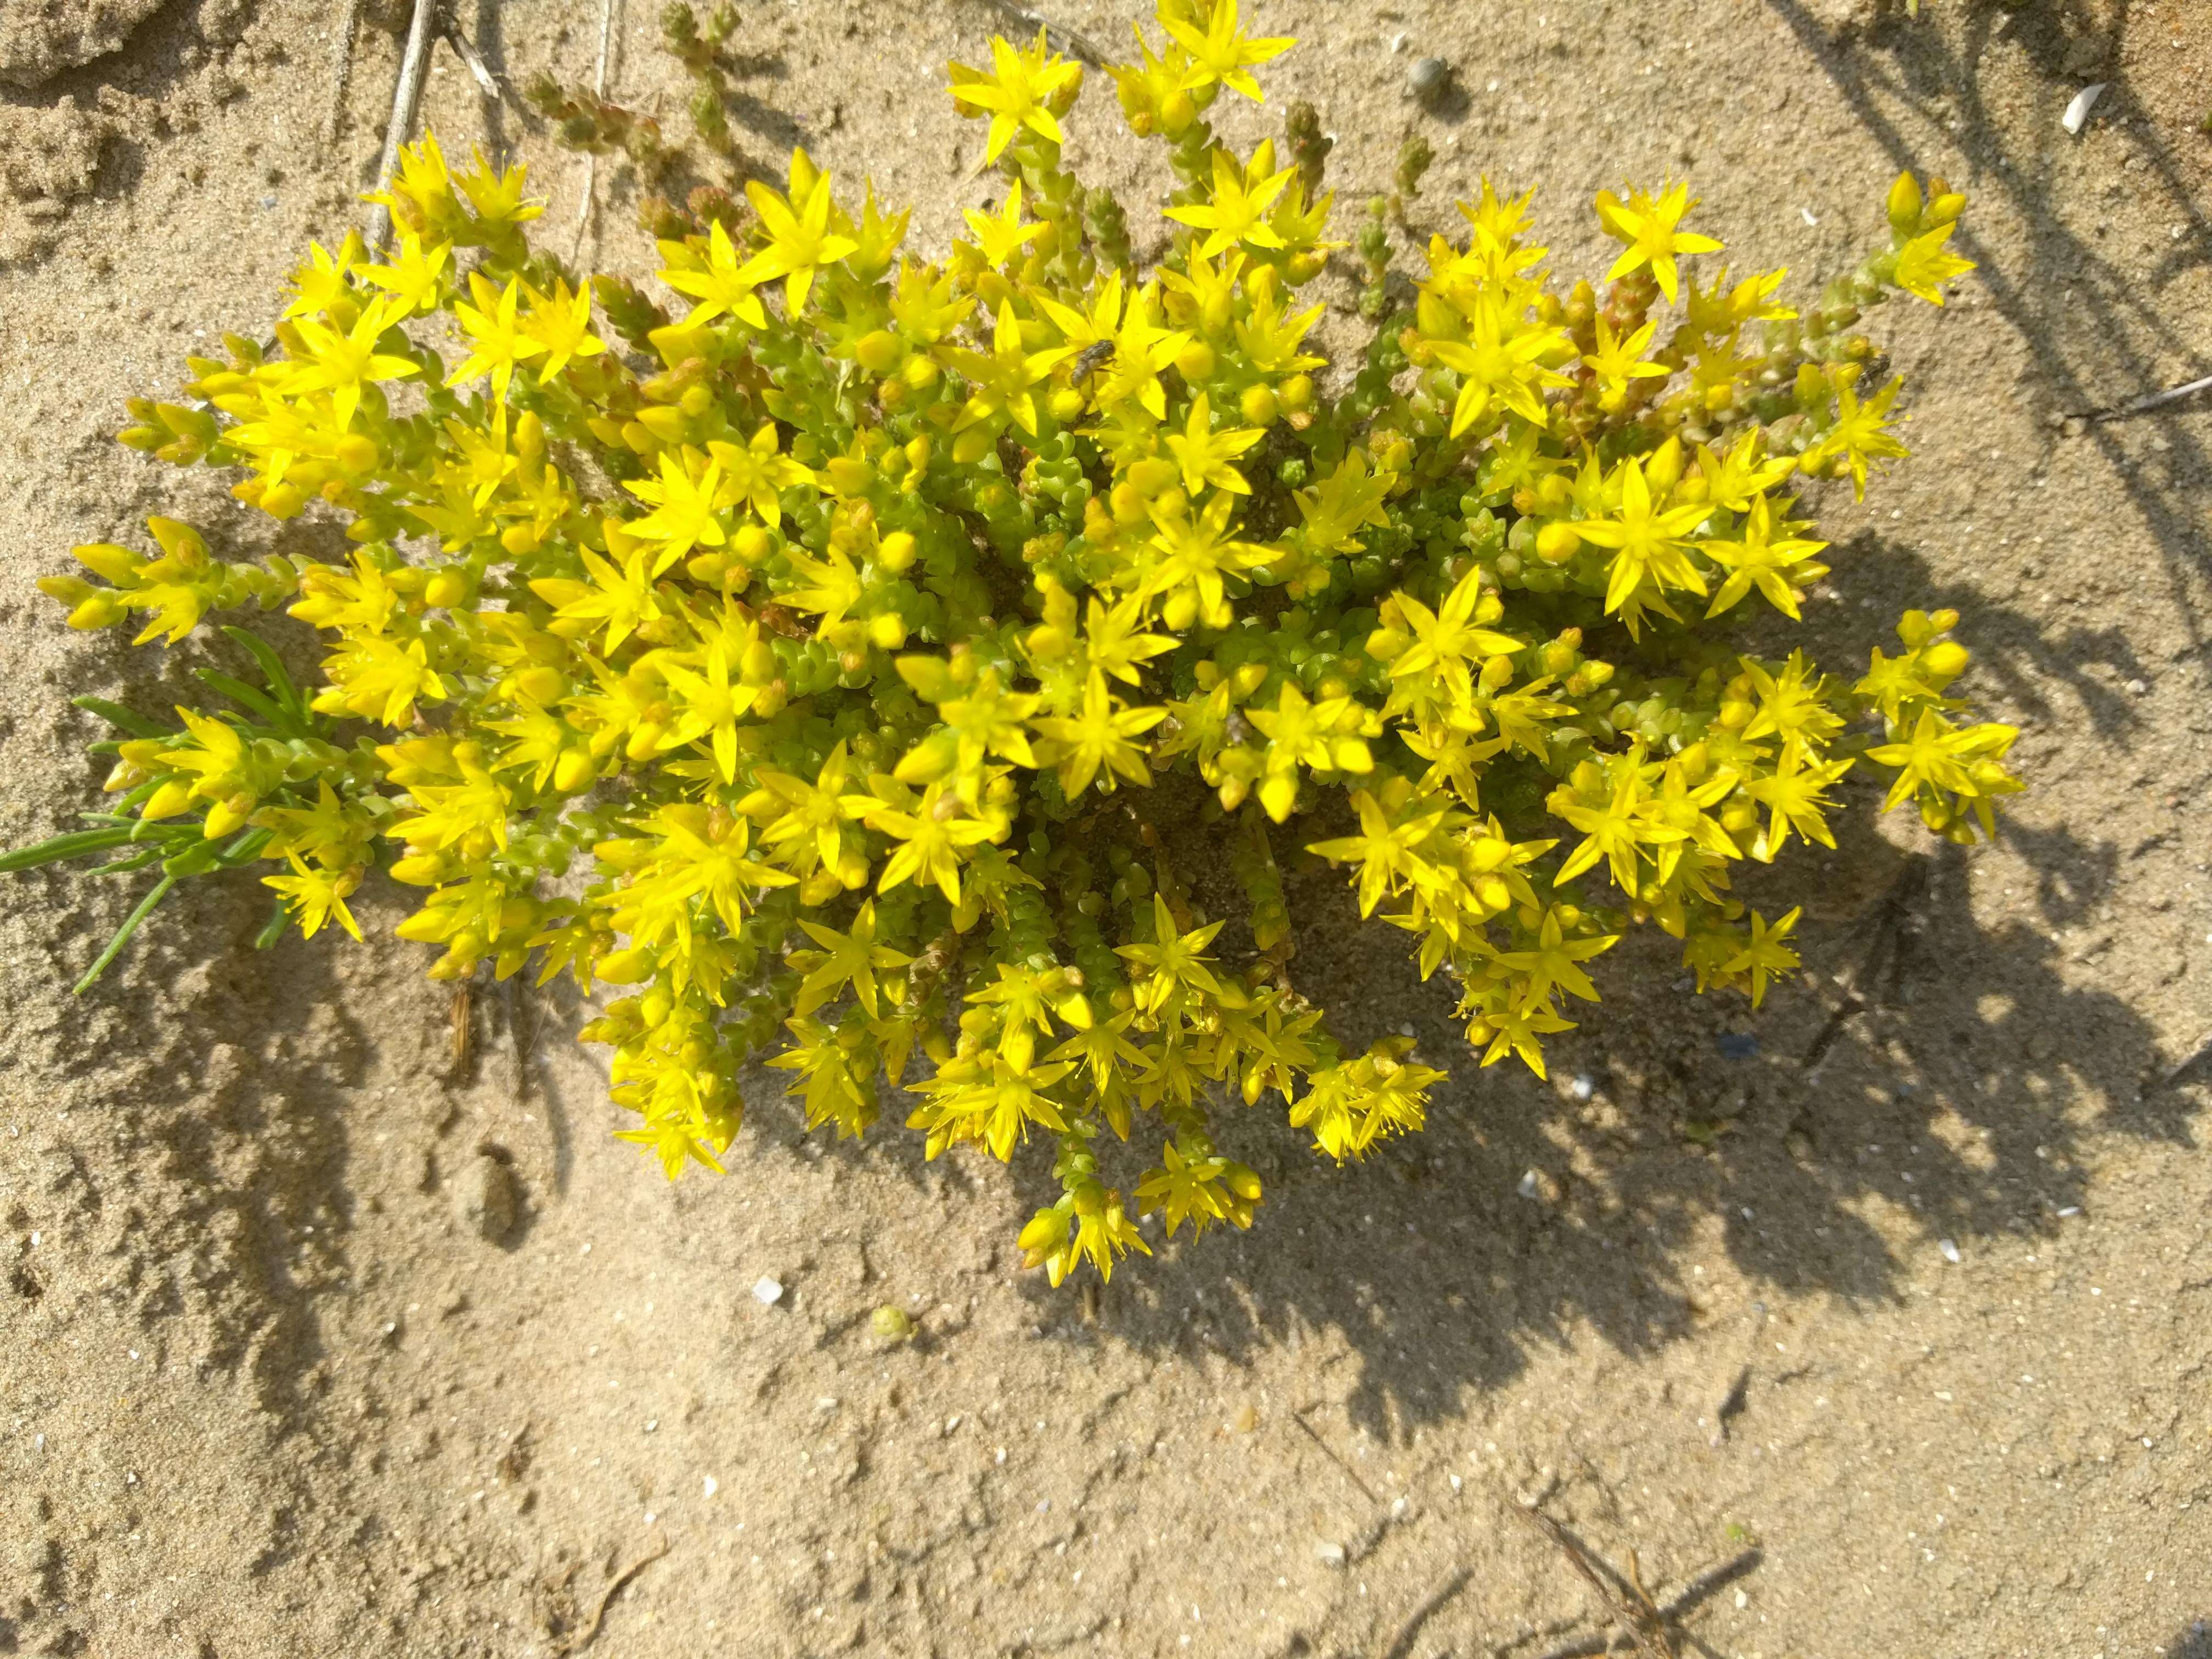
1907 1355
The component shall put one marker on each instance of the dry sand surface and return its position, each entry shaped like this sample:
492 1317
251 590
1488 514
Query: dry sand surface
1908 1355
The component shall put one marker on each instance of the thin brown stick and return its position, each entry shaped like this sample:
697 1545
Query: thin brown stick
1403 1643
460 1023
472 60
1685 1601
1643 1622
2181 1068
1057 35
406 99
586 1635
607 8
1329 1452
2159 399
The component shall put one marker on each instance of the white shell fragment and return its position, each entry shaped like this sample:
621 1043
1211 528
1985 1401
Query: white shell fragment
768 1292
2077 112
1950 1250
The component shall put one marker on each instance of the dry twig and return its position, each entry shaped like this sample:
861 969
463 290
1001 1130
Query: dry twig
460 1023
464 49
1329 1452
2188 1063
607 11
589 1633
1632 1608
1058 36
1402 1644
2156 400
406 99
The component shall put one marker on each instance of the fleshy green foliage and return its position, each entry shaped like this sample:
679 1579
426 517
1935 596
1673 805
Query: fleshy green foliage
903 659
586 120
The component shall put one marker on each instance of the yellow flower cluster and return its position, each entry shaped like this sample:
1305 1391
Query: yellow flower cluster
834 624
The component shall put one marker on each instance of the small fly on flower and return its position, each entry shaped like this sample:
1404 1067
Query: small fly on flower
1091 359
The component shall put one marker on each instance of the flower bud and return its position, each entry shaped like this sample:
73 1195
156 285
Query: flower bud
1196 361
449 588
1558 542
1905 205
573 772
166 802
1946 660
627 967
752 543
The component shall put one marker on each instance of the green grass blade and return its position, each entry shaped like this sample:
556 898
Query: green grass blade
243 848
277 719
273 929
160 891
135 861
123 718
71 844
272 668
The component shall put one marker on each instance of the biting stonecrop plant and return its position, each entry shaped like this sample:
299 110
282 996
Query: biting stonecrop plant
797 665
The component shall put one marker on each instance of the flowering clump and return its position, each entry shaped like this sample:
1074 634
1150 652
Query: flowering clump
909 663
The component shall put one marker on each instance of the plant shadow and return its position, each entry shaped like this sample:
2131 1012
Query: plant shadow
1960 1073
218 1075
2062 295
1930 1083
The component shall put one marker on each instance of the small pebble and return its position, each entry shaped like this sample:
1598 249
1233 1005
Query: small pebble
1246 1419
1582 1088
1329 1554
1950 1250
1528 1185
1398 42
2138 688
768 1292
1427 79
708 1485
1738 1045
